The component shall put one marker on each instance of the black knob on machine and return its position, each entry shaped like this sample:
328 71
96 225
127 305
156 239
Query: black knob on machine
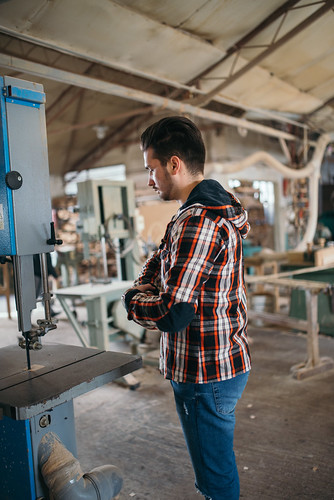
14 180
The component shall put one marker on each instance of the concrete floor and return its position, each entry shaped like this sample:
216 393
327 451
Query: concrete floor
284 439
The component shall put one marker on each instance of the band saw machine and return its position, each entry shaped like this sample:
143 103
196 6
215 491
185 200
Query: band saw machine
38 456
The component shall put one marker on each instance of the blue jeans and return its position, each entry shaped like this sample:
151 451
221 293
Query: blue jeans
207 416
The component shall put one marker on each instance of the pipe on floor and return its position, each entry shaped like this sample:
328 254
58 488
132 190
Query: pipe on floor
63 475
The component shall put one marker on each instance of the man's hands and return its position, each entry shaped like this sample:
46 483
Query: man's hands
149 289
131 292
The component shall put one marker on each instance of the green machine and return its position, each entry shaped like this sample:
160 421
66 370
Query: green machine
325 301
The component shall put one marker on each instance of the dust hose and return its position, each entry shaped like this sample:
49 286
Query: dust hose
63 475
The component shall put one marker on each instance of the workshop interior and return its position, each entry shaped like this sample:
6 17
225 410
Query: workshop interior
80 82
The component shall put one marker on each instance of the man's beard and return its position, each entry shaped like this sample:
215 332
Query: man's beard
167 193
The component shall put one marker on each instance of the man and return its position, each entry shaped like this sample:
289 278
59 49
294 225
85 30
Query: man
192 290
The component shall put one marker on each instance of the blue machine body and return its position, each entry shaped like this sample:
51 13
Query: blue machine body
16 447
25 209
25 217
20 477
7 239
36 398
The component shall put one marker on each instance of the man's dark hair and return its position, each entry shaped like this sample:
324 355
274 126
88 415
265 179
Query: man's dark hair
176 135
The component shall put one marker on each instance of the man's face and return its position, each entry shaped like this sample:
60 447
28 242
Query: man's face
159 177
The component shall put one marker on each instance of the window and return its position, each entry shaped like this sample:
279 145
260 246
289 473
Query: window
110 173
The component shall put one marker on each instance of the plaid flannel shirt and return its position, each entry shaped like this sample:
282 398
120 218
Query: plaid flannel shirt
200 299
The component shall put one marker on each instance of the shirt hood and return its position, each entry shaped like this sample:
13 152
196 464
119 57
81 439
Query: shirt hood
210 194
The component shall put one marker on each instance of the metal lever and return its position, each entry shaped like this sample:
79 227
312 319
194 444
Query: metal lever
53 240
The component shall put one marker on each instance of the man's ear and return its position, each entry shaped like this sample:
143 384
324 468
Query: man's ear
175 164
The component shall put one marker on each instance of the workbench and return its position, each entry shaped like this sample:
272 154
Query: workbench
314 363
96 297
37 401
